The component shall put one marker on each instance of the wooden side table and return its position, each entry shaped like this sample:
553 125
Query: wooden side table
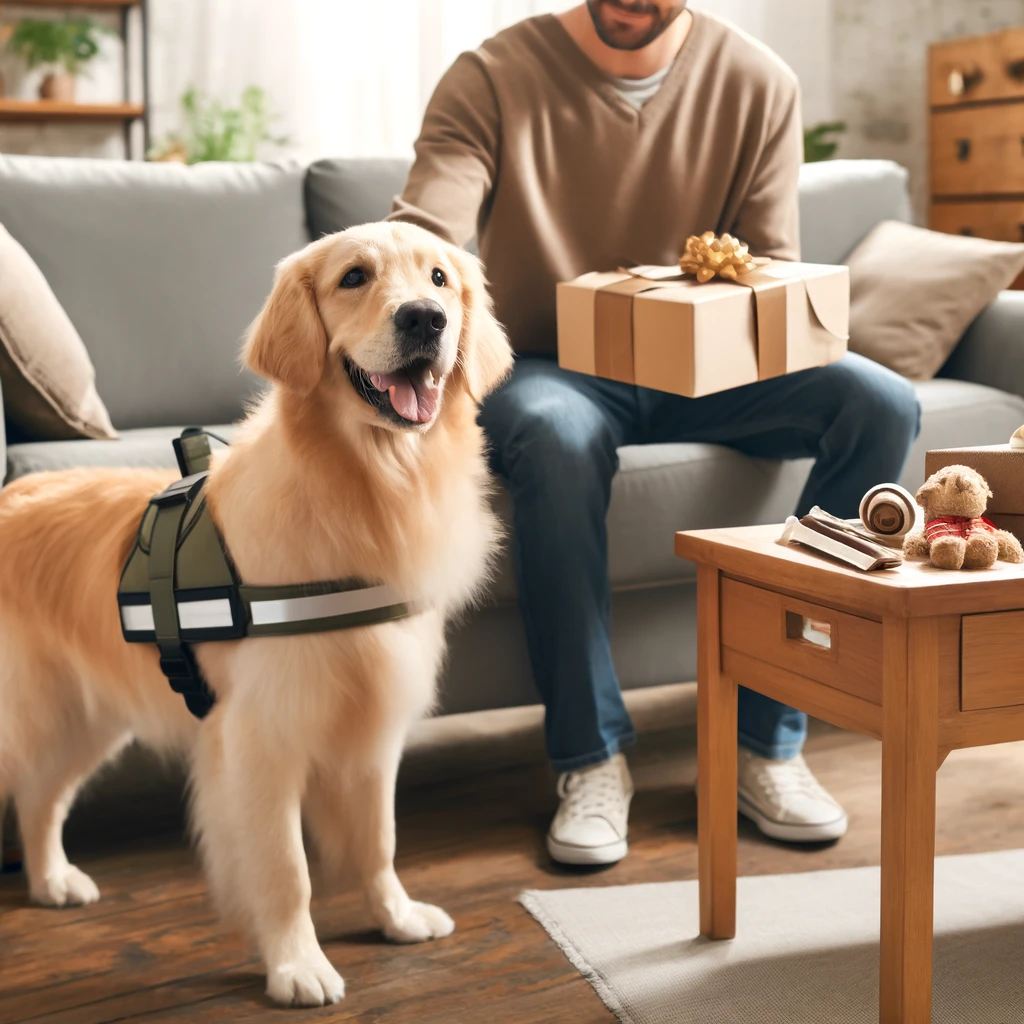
925 660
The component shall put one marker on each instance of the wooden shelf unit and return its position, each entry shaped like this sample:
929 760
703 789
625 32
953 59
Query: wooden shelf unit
15 111
98 4
18 111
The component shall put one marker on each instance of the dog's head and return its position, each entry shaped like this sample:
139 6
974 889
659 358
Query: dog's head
383 318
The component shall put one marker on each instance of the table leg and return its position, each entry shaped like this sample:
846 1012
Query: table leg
716 769
910 670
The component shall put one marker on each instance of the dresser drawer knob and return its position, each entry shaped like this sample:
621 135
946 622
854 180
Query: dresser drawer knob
962 81
1015 69
963 149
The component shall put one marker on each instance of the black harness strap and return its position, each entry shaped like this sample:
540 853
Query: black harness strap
177 661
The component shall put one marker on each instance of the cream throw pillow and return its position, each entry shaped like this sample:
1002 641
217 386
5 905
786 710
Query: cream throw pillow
46 377
913 292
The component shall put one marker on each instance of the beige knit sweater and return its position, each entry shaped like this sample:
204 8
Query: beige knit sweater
527 145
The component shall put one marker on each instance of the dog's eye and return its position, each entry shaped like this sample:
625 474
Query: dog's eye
438 278
354 278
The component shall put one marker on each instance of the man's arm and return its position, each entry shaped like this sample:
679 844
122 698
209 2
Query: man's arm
769 218
456 155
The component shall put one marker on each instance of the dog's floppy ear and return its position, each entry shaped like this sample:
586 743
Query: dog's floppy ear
287 342
485 357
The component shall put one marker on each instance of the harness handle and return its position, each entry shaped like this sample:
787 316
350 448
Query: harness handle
192 449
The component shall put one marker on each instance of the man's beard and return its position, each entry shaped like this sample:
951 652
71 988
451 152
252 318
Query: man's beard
630 37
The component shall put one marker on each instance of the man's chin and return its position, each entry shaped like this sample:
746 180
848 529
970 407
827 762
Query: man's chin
616 28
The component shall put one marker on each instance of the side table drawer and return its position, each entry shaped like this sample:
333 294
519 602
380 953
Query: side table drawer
992 660
846 654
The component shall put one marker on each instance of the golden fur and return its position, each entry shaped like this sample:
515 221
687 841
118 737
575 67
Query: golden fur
318 485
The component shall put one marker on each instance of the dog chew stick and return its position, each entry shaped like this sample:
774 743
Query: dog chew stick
839 539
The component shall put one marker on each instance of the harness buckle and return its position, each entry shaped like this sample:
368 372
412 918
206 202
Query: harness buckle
184 678
181 670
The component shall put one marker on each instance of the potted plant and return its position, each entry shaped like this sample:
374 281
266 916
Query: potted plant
214 131
63 46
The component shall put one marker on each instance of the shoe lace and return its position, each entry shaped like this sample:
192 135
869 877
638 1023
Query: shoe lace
592 792
789 778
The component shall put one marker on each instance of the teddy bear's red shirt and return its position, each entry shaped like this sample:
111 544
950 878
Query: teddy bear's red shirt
956 526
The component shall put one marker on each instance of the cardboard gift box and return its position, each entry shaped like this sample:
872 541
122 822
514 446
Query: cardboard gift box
655 328
1003 467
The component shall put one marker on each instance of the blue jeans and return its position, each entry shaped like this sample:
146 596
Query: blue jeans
553 437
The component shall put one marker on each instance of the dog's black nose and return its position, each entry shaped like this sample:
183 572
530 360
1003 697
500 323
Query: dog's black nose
421 321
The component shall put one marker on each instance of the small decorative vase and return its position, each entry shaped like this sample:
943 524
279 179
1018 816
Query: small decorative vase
60 88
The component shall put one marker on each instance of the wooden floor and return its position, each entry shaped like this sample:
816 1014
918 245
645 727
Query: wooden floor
152 950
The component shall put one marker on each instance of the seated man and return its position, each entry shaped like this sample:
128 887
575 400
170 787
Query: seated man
578 142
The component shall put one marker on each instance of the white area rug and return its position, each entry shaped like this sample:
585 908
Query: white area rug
806 950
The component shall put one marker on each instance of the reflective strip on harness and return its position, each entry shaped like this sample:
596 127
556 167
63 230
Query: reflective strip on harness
323 606
216 614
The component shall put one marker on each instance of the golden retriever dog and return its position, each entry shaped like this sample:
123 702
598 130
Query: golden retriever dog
364 459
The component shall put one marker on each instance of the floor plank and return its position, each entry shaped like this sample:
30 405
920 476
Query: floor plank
153 950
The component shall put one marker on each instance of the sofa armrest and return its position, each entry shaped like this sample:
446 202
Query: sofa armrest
992 349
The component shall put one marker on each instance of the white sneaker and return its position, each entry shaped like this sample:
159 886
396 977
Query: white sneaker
786 801
591 823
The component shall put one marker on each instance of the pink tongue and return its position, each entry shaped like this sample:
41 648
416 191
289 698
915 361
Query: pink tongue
412 400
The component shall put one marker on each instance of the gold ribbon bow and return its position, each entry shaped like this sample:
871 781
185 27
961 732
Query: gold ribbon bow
709 256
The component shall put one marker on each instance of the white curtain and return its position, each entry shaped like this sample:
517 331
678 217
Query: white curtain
349 77
352 77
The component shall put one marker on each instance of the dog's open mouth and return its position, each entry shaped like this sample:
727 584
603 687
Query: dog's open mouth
410 395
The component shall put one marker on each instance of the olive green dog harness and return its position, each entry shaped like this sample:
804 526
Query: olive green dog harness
180 587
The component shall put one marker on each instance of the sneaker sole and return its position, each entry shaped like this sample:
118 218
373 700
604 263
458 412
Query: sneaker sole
821 833
565 853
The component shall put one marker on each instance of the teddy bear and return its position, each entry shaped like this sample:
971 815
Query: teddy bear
956 533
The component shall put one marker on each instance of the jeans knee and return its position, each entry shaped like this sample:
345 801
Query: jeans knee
880 402
577 459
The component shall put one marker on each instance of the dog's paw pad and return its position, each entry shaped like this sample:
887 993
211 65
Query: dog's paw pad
419 923
67 888
308 981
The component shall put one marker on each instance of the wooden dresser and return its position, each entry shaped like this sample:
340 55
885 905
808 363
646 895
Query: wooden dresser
976 94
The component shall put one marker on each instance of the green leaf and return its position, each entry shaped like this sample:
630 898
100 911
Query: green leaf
817 145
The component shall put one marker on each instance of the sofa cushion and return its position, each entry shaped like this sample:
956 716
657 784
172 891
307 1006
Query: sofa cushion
914 292
161 268
340 193
48 381
144 447
842 200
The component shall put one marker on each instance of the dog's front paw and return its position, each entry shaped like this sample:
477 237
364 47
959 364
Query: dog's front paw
305 981
419 923
68 887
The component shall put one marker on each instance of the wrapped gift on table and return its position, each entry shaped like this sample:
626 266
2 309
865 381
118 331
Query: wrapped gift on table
719 320
1002 466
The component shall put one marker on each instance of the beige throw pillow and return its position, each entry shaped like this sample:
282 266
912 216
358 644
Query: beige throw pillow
913 292
46 377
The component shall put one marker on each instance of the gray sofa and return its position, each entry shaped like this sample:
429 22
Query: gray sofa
161 268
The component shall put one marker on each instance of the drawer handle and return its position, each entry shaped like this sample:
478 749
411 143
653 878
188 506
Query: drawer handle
1020 230
1015 69
969 232
809 631
963 81
963 149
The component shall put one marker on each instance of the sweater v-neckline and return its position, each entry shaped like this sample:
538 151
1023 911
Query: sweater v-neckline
601 82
